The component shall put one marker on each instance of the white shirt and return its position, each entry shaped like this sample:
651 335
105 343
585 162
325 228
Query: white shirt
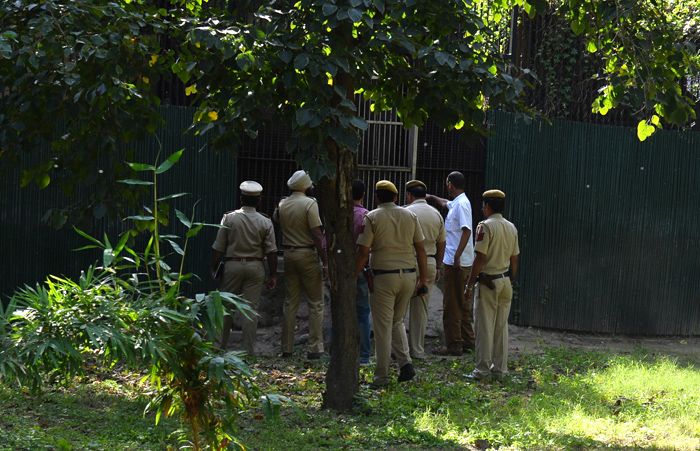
459 216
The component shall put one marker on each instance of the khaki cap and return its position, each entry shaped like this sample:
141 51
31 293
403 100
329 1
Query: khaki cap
300 181
414 183
386 185
250 188
494 194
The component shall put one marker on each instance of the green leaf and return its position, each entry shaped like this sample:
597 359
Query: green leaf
303 116
441 58
183 218
172 196
577 26
194 230
140 218
359 123
141 166
43 181
644 130
134 182
285 56
355 15
245 61
329 8
301 61
107 257
591 46
88 237
176 247
170 161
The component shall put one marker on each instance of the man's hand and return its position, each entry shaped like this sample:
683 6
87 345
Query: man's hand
438 274
469 291
272 282
421 287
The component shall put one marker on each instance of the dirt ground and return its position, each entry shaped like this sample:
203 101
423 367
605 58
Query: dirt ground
522 339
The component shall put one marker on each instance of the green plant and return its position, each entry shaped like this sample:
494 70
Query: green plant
131 310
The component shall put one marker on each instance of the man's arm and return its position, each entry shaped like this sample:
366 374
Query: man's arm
514 266
439 254
463 240
478 264
216 257
361 259
272 265
422 259
317 236
437 202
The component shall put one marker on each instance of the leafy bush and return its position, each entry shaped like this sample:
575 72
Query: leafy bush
132 311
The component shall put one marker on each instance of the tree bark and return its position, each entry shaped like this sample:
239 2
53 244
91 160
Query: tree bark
336 203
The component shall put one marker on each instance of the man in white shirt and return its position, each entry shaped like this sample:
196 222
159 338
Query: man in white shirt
458 310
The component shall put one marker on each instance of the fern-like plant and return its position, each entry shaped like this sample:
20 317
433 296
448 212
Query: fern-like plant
131 310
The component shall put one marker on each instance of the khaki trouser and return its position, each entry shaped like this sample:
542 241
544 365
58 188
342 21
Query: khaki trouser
458 311
302 271
418 316
491 323
244 278
389 302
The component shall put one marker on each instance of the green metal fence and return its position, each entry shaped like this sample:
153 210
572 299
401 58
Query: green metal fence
609 226
31 249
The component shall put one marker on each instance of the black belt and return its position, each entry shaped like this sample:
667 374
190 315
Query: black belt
494 276
243 259
300 247
378 272
431 256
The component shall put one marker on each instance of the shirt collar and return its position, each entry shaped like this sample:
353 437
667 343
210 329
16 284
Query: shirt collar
419 201
249 209
390 204
455 200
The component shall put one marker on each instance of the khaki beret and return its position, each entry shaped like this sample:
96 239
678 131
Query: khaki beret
299 181
386 185
250 188
414 183
494 194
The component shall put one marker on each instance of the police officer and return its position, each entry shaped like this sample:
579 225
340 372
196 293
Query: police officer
302 239
497 250
396 241
246 238
433 227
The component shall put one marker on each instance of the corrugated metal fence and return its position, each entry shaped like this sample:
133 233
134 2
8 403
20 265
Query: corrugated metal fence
31 249
609 226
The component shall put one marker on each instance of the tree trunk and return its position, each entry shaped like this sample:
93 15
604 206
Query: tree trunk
336 203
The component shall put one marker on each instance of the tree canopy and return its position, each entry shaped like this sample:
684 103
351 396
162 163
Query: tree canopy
81 76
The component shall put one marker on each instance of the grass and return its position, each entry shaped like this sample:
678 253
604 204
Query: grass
92 415
559 399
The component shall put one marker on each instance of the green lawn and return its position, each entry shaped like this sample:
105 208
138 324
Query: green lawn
559 399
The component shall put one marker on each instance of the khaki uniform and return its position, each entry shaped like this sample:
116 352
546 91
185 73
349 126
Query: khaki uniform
297 215
390 232
497 239
248 237
433 227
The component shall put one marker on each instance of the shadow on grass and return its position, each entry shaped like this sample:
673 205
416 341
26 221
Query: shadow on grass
95 416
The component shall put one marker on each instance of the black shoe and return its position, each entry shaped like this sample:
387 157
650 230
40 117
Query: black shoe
406 373
314 355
